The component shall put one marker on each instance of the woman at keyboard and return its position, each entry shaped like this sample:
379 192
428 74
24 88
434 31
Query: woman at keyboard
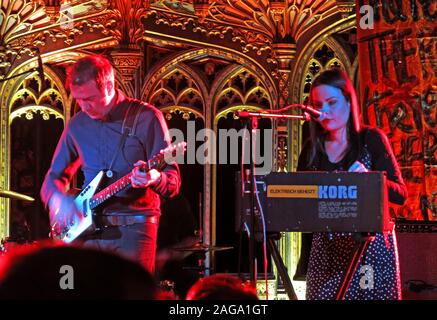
338 142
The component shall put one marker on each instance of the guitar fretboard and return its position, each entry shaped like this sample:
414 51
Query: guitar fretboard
110 190
122 183
157 162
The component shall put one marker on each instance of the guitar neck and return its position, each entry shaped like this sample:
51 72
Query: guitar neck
110 191
120 185
157 162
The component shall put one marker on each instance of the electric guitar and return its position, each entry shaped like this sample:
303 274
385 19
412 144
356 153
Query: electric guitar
88 199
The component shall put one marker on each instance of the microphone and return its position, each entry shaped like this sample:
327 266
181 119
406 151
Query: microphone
314 113
40 70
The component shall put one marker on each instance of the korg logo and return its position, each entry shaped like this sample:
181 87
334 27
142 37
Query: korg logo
338 192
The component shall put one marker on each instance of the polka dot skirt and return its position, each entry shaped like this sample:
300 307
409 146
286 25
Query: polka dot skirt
376 276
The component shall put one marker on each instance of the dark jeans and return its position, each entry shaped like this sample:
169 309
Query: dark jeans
136 242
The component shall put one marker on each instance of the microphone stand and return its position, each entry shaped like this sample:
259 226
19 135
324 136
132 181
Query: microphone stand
19 74
252 125
37 69
244 114
28 71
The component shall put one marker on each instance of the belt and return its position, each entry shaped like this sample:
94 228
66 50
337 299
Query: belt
123 220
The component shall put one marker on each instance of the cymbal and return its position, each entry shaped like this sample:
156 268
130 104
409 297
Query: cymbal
15 195
202 247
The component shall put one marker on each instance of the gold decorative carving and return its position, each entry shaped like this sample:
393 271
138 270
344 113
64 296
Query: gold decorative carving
324 57
127 62
130 25
17 18
29 112
282 154
177 89
27 101
201 9
346 8
26 25
170 18
243 89
180 6
187 113
256 24
105 22
170 65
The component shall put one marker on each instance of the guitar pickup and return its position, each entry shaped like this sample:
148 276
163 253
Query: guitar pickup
84 208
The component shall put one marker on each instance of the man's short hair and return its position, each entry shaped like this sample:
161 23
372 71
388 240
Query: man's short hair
92 67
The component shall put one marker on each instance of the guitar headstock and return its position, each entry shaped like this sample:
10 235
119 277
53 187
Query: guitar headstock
168 155
174 150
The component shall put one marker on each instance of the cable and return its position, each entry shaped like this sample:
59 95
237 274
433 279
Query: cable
265 264
420 285
287 107
243 180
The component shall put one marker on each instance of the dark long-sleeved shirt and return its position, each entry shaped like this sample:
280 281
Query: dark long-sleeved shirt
91 145
376 154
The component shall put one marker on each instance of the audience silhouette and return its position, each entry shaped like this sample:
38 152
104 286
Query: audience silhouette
221 287
51 271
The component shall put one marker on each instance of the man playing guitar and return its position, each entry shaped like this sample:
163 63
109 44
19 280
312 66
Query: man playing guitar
112 137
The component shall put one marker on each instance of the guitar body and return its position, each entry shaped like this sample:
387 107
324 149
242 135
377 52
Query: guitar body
88 199
84 220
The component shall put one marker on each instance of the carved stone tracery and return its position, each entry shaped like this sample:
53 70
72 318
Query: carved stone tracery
256 25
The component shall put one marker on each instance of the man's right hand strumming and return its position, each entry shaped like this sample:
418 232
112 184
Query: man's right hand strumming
62 211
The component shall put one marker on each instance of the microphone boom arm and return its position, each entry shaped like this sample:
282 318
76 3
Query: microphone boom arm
38 68
18 75
245 114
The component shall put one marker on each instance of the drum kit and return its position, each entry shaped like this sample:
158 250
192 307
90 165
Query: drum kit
197 248
7 244
202 248
15 195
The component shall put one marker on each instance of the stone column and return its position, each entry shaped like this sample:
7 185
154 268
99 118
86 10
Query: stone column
287 138
128 63
284 53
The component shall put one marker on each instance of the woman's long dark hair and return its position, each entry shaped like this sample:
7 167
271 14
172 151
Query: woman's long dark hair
335 77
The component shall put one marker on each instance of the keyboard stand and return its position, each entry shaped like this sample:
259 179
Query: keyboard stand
360 247
282 270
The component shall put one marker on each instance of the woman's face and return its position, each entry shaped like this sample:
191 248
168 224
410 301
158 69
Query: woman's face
334 104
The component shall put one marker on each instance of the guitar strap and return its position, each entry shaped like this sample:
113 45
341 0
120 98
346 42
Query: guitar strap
131 117
128 129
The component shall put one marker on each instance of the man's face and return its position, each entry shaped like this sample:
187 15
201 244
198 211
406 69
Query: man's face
93 101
